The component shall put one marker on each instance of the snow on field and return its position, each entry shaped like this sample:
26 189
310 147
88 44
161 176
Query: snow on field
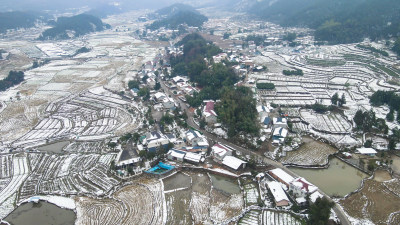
20 170
251 194
281 218
332 122
251 218
59 201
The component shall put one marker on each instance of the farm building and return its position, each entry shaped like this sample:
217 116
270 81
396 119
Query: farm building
194 138
233 163
281 176
194 157
366 151
280 196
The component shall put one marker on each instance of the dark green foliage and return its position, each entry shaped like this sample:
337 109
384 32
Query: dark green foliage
334 99
368 144
267 86
390 115
145 93
175 8
13 78
386 97
237 111
82 50
133 84
338 21
342 100
227 35
320 211
372 49
396 47
367 121
190 18
319 108
157 86
258 39
15 20
296 72
290 37
167 119
80 24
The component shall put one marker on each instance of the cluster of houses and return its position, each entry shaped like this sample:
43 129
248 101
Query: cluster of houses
275 127
299 188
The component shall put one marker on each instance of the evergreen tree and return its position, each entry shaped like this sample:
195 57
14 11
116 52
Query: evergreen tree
342 100
335 99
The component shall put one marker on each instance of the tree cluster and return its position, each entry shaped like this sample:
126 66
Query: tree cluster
257 39
80 25
193 19
367 122
335 100
339 21
13 78
237 111
374 50
320 211
296 72
265 86
15 20
389 98
396 47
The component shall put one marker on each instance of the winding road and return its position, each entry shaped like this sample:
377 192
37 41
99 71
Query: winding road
338 210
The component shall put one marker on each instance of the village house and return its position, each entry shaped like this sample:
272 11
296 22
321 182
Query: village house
279 122
301 187
208 113
219 151
281 176
233 163
220 57
168 103
176 155
154 140
280 196
279 135
194 138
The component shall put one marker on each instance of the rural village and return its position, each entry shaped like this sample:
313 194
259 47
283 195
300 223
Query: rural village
116 134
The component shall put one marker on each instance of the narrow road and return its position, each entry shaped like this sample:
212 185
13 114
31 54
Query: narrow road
338 210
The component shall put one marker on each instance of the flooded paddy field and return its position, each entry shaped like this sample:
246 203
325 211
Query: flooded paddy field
338 179
55 147
41 213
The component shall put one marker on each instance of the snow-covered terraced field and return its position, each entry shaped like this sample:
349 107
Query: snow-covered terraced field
69 174
332 122
279 218
251 218
88 115
251 194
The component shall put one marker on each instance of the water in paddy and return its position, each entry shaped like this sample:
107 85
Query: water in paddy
41 213
178 180
225 184
338 179
55 147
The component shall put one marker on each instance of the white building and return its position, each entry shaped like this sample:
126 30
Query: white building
154 140
301 187
366 151
176 155
233 163
279 122
281 176
218 152
280 196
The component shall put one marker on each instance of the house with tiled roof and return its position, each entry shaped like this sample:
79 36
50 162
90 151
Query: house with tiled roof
208 113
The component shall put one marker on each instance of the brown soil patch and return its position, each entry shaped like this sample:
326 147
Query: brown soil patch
382 175
374 202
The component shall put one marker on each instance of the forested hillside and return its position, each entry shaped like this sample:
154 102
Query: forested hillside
14 20
336 21
69 27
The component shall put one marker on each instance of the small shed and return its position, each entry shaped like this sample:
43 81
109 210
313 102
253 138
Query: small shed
366 151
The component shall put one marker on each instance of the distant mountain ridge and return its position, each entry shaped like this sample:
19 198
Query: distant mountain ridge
335 21
70 27
16 19
177 14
